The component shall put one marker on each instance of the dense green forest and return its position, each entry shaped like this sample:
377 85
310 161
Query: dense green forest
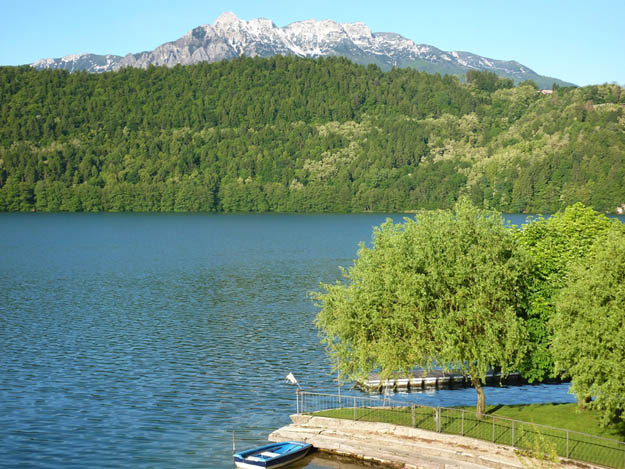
297 135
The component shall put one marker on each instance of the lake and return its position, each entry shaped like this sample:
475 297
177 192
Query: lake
145 340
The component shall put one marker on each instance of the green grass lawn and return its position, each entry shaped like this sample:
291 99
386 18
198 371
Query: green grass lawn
567 416
523 433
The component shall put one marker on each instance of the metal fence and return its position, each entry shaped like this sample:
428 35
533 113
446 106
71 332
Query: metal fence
521 435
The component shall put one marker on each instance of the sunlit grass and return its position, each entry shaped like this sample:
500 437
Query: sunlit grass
568 416
515 427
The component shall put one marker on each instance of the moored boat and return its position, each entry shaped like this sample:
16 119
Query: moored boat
272 455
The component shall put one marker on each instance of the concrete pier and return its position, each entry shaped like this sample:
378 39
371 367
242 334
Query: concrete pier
404 447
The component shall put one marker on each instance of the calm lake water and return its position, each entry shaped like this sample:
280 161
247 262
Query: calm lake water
145 340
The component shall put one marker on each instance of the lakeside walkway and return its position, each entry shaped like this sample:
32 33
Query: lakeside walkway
404 447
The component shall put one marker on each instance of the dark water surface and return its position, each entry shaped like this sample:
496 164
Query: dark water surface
145 340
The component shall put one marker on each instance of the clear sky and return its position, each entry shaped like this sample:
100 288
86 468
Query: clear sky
576 40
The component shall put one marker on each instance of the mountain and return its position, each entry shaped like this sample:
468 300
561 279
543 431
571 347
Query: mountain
231 37
76 62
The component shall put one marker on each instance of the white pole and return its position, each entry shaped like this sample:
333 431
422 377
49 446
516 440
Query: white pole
234 448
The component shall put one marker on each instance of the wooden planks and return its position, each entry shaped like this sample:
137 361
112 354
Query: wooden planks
435 379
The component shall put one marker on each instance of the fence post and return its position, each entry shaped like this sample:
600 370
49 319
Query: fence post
354 408
513 433
462 428
493 417
567 444
437 419
414 418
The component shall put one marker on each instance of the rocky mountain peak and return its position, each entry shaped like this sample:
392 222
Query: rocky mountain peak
230 37
226 20
314 30
263 23
358 31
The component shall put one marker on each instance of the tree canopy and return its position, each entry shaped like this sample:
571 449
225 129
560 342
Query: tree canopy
460 290
286 134
442 290
589 345
556 245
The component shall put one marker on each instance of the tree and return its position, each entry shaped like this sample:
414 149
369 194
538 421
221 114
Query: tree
555 245
488 81
589 344
441 290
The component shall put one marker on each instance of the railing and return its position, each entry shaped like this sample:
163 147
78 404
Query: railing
521 435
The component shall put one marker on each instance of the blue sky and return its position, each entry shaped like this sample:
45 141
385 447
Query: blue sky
578 41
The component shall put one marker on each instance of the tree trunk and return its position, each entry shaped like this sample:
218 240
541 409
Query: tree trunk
480 408
583 401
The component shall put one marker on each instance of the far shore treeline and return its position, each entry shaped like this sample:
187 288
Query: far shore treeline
286 134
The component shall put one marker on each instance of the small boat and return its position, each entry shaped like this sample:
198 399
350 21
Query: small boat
272 455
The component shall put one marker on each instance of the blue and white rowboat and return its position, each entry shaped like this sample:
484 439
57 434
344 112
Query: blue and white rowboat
272 455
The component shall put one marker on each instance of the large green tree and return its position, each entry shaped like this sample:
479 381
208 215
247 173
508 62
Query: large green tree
589 325
442 290
555 245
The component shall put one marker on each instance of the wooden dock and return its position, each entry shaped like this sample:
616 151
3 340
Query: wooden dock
437 379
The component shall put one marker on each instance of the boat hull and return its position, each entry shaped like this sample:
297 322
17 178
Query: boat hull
272 456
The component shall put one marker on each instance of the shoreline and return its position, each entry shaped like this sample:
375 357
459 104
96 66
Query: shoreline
404 447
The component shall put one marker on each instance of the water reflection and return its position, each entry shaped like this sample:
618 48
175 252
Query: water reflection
319 460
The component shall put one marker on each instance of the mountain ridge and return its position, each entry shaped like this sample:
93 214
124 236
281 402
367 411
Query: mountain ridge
230 37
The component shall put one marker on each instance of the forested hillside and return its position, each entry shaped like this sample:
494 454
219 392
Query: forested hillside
289 134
